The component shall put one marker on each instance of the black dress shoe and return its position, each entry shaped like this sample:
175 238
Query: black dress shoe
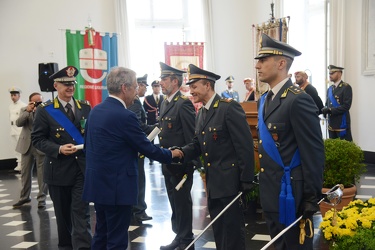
172 246
41 204
21 202
142 217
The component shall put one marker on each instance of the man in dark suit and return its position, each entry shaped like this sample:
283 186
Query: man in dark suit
301 79
224 140
112 154
230 92
139 210
291 156
152 103
338 103
58 127
29 154
176 121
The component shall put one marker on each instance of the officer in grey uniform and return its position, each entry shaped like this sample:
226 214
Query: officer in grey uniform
338 103
223 138
291 156
177 117
58 127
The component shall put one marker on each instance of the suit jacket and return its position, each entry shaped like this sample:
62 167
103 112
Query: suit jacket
225 142
152 108
233 94
112 141
25 120
48 135
177 126
343 95
311 90
292 120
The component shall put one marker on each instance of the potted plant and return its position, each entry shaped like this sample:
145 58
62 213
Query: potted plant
343 165
352 228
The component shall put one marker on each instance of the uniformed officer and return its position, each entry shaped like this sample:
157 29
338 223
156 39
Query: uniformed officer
139 210
14 113
223 138
338 103
230 92
152 103
176 121
291 156
58 127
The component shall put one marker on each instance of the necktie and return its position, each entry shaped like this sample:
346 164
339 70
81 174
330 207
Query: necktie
268 99
69 111
157 100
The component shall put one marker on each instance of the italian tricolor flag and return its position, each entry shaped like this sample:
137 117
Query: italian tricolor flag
93 54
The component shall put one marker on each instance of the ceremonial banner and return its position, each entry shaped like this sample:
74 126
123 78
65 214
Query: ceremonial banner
180 56
94 55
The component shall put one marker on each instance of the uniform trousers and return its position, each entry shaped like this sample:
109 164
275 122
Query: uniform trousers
336 134
182 207
229 229
27 174
72 215
289 240
141 206
112 224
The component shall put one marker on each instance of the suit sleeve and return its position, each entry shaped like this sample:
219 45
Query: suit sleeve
242 140
24 117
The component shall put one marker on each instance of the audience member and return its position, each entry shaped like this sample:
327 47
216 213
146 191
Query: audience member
230 92
56 132
250 87
14 113
29 154
301 81
338 103
291 156
112 154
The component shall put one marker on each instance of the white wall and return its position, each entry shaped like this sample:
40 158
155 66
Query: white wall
30 35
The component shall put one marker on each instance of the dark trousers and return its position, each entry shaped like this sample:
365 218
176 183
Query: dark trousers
141 204
182 207
289 240
336 134
229 229
112 224
72 215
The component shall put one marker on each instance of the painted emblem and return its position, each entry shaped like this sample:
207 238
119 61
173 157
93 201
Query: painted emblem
93 60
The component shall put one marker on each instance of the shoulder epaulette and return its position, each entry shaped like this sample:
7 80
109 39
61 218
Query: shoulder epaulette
216 104
293 89
84 102
45 104
184 97
226 100
343 84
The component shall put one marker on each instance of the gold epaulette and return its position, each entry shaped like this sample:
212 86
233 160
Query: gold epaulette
294 89
343 84
226 100
45 104
84 102
184 97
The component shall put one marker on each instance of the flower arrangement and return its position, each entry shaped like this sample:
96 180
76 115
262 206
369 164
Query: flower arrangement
352 228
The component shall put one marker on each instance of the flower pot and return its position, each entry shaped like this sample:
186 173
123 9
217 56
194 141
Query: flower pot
348 196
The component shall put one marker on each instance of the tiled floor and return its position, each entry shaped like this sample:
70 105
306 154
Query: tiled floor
31 228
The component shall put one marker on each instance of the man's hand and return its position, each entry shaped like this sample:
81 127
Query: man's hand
68 149
176 152
326 111
31 107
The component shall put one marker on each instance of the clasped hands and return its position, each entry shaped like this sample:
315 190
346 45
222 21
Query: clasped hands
177 152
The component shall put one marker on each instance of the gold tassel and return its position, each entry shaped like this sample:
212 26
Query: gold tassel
302 234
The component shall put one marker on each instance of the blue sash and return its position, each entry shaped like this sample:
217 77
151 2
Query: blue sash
67 124
287 208
226 95
335 104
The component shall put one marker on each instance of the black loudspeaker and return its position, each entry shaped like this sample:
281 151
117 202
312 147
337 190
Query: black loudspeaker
45 71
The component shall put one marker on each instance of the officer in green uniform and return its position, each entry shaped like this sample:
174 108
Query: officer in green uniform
338 103
291 155
58 127
223 139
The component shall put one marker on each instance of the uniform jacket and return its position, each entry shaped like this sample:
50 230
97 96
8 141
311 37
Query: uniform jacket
112 142
343 95
25 120
14 113
233 94
48 135
152 108
225 142
293 123
137 108
176 122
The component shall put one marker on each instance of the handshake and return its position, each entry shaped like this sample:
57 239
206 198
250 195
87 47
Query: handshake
177 154
326 111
